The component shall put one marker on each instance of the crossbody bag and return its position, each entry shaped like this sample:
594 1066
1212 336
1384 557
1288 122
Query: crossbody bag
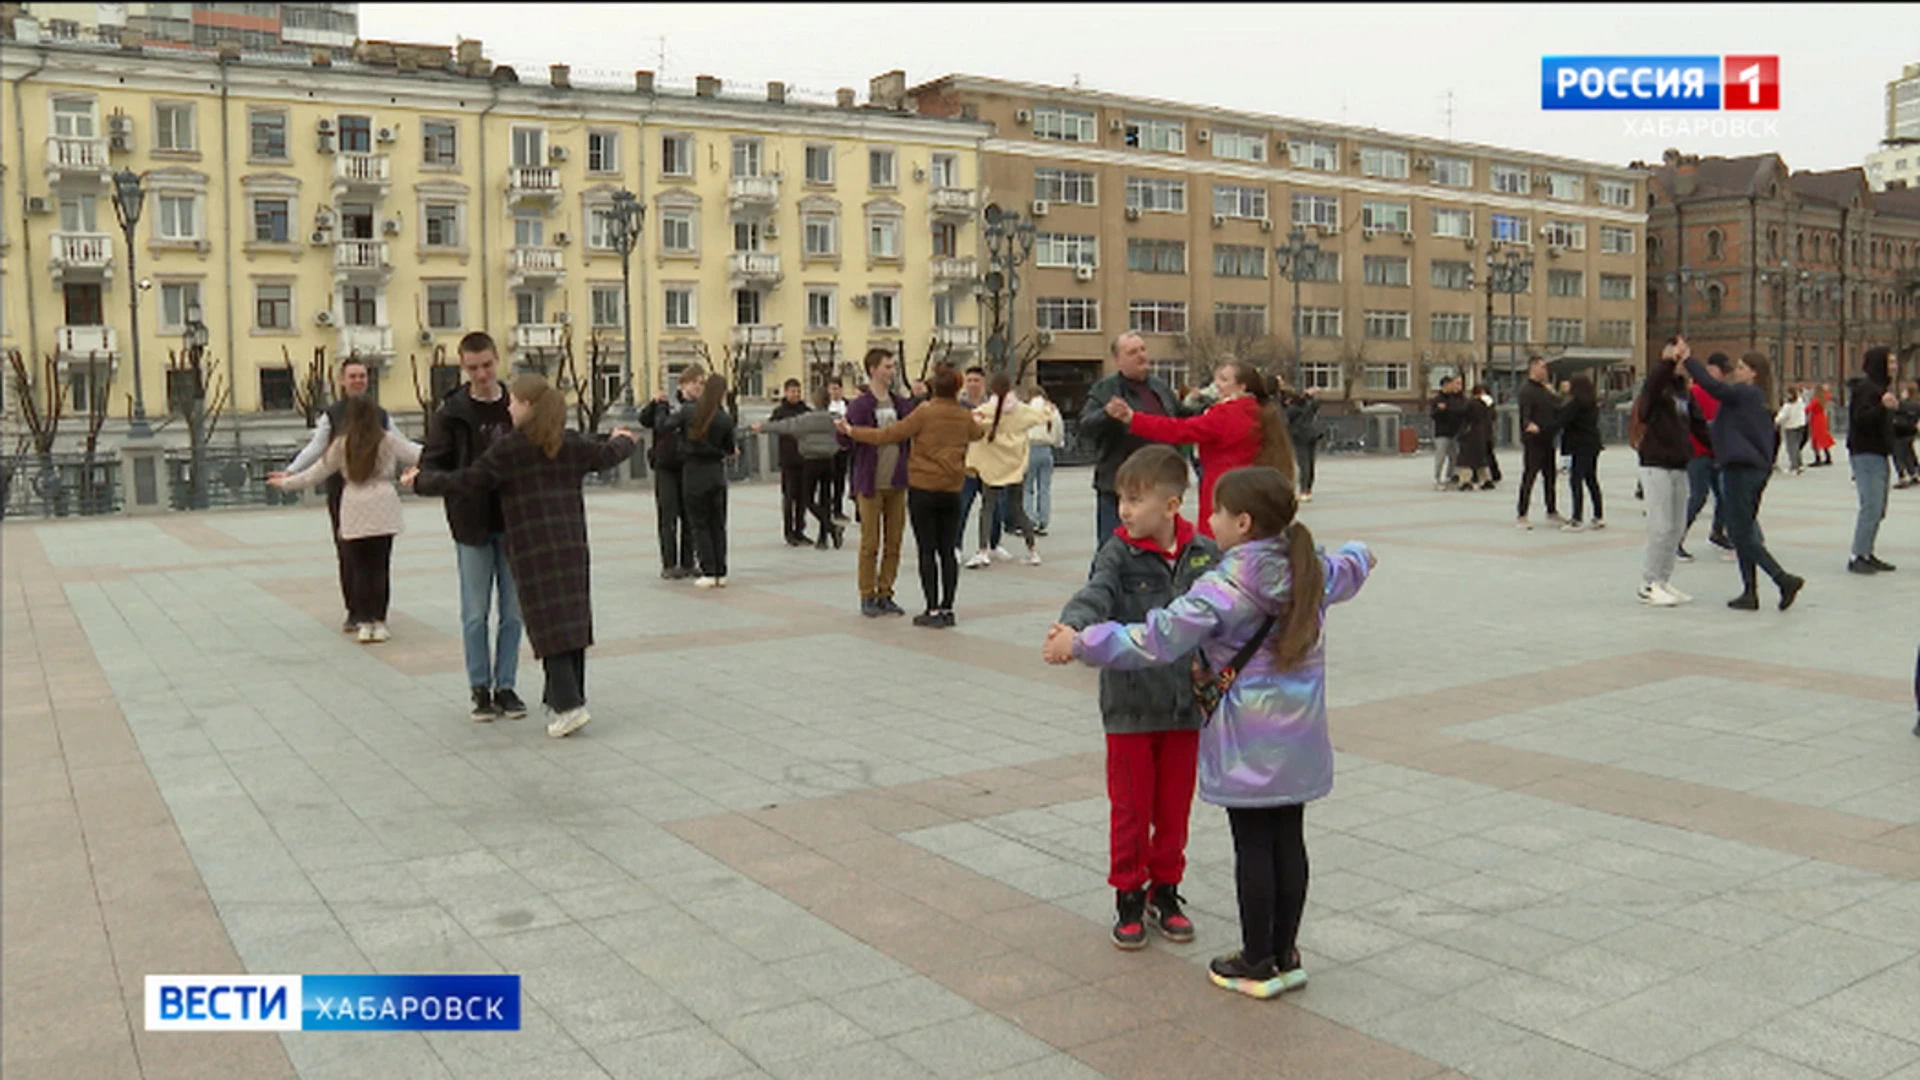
1210 686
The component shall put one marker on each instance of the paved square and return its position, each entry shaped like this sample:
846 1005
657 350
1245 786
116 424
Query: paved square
1570 836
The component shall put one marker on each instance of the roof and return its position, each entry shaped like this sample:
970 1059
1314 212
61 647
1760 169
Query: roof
1718 177
1840 187
1897 202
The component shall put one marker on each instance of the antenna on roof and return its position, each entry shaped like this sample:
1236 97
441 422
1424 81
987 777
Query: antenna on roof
660 65
1449 116
1076 80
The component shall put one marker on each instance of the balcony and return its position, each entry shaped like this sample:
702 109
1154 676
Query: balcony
525 182
528 336
362 172
85 344
957 338
753 190
952 202
770 336
367 342
361 257
535 263
951 271
82 254
70 156
754 267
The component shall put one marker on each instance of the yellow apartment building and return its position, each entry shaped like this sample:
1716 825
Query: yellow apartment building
383 205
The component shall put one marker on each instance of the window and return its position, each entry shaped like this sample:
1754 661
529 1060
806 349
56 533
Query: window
1454 223
819 163
1510 229
270 221
177 219
1388 324
1322 211
73 118
1240 202
1616 287
746 157
883 237
1319 375
1156 194
1239 260
676 231
1063 186
1389 377
1716 299
1566 332
604 309
943 309
1717 244
1320 322
1154 134
944 170
821 235
1451 326
1240 320
1567 187
820 308
356 134
600 221
884 305
603 152
1319 154
1157 256
441 225
747 307
1512 180
276 389
1615 240
1385 269
1506 330
676 155
529 231
1566 283
1451 274
360 305
746 235
1452 172
1571 235
1386 216
529 147
173 127
1157 316
679 307
1065 249
1614 192
1062 125
882 169
1324 267
267 135
1066 313
79 214
1389 164
1614 332
439 143
946 240
273 307
1239 145
443 305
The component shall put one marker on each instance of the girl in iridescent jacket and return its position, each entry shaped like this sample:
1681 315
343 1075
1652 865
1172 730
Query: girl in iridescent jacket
1265 752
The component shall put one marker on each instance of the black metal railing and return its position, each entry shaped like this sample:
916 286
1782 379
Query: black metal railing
236 476
59 485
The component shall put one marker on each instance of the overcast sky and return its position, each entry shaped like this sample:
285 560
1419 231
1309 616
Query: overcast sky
1387 66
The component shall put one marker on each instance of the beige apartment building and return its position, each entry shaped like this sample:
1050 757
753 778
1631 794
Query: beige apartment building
1163 217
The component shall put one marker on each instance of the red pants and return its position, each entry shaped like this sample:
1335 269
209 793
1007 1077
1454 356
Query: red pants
1150 780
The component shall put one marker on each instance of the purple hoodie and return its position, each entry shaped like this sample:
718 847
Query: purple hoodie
861 412
1267 745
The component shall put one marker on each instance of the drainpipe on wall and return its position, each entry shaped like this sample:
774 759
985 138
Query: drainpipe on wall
26 230
1753 277
486 256
226 252
644 395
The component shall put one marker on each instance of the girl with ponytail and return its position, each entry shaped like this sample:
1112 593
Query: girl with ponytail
1245 427
1260 678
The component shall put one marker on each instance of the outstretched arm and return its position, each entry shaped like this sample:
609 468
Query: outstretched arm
1167 634
1347 570
317 445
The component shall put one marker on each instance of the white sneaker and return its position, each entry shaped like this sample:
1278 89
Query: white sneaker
1656 595
1033 557
1677 594
1001 554
705 582
1306 496
380 633
1597 524
568 722
365 633
979 561
719 583
1573 526
1523 523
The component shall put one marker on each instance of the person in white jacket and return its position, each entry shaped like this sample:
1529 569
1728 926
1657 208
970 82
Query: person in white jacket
1792 422
1001 461
1037 495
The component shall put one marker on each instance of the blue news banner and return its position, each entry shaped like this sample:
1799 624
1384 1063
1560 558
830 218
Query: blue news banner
333 1003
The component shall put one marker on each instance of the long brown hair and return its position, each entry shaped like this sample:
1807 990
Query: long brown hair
364 433
712 396
1762 373
1266 495
1001 386
546 422
1276 446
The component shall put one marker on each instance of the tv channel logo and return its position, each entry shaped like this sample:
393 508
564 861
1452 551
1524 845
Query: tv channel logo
333 1003
1675 83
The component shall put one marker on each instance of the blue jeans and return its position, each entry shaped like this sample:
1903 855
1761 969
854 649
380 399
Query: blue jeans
968 494
483 573
1870 477
1038 492
1106 516
1743 485
1703 479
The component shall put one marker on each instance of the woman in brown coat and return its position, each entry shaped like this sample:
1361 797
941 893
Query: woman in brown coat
537 469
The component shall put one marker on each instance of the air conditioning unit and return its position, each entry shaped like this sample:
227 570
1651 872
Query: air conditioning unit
1039 208
323 218
1203 135
556 153
120 124
1266 224
1406 237
563 317
561 239
320 237
1541 180
324 126
860 299
385 134
1219 220
391 226
1472 243
1553 252
1023 116
771 230
1328 229
1423 163
426 337
1133 213
323 142
38 204
1083 273
919 174
120 142
1355 157
324 318
1282 147
1043 337
1116 125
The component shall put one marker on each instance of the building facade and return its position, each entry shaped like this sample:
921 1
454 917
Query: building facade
1897 163
283 28
1810 268
382 207
1164 218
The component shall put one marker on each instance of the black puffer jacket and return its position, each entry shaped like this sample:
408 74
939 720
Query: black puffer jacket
1116 443
454 441
1128 581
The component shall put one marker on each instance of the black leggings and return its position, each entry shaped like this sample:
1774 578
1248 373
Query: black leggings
816 492
705 495
1537 456
566 680
1586 478
1744 485
1270 868
369 565
936 521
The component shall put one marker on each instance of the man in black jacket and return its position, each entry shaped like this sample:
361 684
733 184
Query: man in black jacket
667 418
793 501
1539 410
1449 412
1870 405
1143 392
469 420
355 380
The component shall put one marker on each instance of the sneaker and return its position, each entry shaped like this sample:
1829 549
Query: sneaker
798 541
888 607
1682 555
928 619
484 710
1746 601
1130 920
1676 593
1488 486
1306 496
350 626
1720 541
380 633
1597 525
568 722
1001 554
705 582
1573 526
510 705
1880 564
1163 911
1554 515
1790 587
668 573
980 561
1655 594
820 544
1039 530
1860 564
947 621
1263 981
365 633
1523 524
839 536
871 608
1033 557
720 582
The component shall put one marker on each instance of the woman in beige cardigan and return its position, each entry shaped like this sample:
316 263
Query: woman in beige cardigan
370 517
1001 461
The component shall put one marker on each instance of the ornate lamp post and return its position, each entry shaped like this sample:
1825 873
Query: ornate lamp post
1510 272
128 199
1010 240
1298 257
623 228
1677 288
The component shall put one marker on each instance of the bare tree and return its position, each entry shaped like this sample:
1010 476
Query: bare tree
427 394
40 405
823 362
313 388
937 353
198 395
593 396
1026 353
1353 359
93 500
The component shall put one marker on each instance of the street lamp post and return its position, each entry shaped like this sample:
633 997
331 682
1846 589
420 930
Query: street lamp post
128 199
1010 239
1296 258
623 228
193 343
1509 272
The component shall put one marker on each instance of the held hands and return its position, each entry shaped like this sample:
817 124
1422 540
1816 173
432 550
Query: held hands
1372 559
276 480
660 397
407 478
919 389
1120 410
1889 400
756 428
1533 429
1058 648
840 425
623 433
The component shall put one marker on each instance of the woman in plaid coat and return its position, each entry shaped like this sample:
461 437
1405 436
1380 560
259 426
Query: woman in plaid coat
538 469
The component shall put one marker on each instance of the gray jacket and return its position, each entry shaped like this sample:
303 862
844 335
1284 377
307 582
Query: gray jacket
1128 581
814 431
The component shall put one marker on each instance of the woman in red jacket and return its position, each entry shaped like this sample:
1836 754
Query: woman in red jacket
1819 432
1243 428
